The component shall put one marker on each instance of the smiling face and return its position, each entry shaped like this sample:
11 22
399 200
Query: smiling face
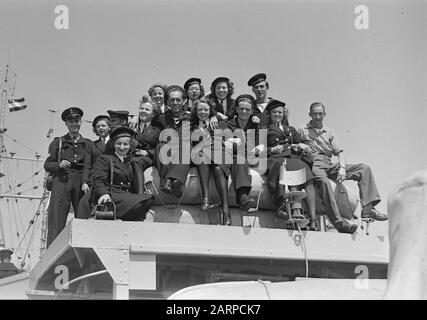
122 146
193 91
102 128
221 90
157 95
260 90
175 102
244 110
146 112
202 111
73 125
277 115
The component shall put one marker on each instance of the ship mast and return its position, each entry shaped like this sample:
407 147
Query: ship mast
7 89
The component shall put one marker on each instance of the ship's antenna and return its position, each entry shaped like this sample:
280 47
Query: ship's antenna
49 133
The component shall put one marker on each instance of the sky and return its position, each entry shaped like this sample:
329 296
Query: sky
373 82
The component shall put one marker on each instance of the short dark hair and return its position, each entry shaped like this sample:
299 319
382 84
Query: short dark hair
230 87
317 104
202 90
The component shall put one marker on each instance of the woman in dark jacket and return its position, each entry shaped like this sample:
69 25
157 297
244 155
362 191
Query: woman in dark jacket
129 206
210 156
283 143
144 143
220 98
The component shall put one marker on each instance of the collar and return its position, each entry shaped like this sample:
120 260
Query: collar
323 129
146 124
202 123
122 159
74 137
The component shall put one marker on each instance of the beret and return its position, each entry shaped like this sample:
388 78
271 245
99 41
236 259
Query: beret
121 132
98 118
273 104
256 79
245 97
218 80
191 81
174 88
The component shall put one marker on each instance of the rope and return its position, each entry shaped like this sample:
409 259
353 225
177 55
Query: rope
89 275
304 247
266 288
16 141
31 223
23 182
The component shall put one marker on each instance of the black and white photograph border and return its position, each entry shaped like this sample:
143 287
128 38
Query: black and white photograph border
80 219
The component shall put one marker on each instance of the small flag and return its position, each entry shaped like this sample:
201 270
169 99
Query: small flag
17 104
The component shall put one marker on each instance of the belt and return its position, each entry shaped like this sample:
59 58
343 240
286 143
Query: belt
124 187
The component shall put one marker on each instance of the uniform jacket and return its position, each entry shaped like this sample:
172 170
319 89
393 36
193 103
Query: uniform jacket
96 148
167 121
233 124
122 175
231 108
147 140
275 137
77 153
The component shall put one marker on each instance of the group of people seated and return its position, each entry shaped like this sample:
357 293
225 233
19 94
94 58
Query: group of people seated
178 128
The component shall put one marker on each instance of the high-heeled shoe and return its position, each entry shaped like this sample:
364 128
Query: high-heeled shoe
206 205
226 217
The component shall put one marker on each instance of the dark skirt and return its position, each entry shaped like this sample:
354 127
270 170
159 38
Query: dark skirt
125 200
143 161
214 155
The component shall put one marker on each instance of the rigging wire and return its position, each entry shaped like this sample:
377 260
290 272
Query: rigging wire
23 182
10 224
17 212
31 223
22 144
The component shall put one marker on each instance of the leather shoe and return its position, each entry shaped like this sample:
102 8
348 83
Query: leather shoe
346 227
312 225
282 213
373 214
296 214
176 188
247 203
167 186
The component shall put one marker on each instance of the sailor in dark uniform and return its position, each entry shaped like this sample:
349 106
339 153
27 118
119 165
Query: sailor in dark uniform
220 98
67 182
260 88
244 120
146 139
195 91
129 206
117 119
174 175
284 142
